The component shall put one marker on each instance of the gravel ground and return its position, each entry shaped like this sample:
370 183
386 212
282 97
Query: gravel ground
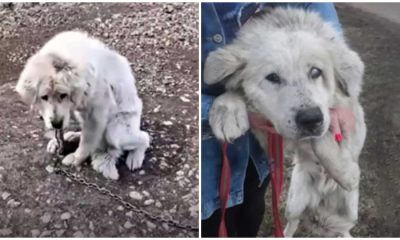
377 41
161 42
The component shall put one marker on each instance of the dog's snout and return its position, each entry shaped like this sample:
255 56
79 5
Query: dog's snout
309 119
57 124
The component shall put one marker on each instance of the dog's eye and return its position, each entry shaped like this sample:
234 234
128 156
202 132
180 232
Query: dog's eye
44 97
274 78
63 95
315 73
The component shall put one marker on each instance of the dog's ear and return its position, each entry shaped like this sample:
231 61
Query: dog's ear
222 66
348 70
27 87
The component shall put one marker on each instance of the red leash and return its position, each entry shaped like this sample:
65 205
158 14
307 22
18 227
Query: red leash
224 190
275 153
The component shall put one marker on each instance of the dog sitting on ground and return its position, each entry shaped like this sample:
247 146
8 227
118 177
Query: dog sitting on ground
292 68
76 73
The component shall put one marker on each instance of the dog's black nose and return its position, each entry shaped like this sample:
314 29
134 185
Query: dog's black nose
57 124
309 119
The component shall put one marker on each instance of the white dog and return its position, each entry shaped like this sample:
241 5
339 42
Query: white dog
291 67
76 73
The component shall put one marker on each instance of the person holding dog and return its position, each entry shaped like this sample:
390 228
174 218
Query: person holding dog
249 174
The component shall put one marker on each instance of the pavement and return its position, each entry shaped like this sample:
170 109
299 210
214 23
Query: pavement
161 43
376 37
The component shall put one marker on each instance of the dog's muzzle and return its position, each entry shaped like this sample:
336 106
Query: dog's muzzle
57 124
310 121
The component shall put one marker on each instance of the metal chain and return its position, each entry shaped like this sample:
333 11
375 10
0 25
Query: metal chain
157 218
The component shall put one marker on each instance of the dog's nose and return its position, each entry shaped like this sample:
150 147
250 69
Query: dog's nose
57 124
309 119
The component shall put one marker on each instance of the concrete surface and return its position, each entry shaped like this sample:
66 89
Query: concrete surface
161 42
388 10
377 40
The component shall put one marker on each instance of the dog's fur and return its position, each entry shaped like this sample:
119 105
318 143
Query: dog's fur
290 42
77 73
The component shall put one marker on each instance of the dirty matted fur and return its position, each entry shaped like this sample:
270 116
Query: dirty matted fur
74 72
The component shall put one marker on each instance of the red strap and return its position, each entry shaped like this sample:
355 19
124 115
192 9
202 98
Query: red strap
224 190
275 153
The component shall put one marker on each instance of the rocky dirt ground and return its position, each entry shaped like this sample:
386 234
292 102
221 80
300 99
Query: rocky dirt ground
377 41
161 42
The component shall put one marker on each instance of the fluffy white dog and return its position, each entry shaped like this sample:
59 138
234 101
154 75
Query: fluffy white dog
291 67
77 73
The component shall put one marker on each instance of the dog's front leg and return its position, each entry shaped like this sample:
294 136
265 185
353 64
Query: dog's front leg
337 161
299 197
228 117
94 124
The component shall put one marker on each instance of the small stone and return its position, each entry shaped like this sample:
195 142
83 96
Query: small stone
158 204
128 225
110 213
157 109
91 226
35 233
78 234
129 214
167 123
180 173
120 208
46 218
13 203
142 172
5 195
150 225
50 169
27 210
165 226
169 9
148 202
59 233
135 195
58 226
46 233
65 216
173 210
183 99
146 193
5 232
115 16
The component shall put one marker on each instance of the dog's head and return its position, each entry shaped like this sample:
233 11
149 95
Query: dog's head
51 85
291 67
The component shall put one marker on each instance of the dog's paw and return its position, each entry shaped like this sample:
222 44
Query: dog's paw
103 164
350 179
337 161
52 146
72 159
69 159
72 136
228 117
134 160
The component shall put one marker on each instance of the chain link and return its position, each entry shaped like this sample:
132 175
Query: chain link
157 218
